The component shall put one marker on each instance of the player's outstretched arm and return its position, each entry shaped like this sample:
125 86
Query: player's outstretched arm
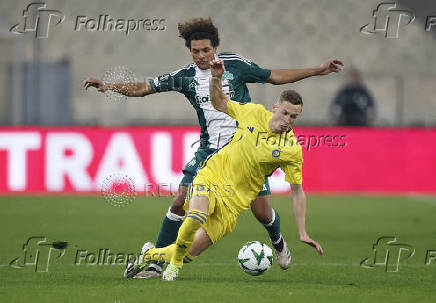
137 89
283 76
299 206
217 96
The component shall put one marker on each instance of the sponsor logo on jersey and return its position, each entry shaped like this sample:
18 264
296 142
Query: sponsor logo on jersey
250 128
193 84
201 99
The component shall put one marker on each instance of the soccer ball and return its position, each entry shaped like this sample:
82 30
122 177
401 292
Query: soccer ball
255 258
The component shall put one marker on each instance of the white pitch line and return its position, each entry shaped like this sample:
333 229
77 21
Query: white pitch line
297 264
429 200
235 264
223 264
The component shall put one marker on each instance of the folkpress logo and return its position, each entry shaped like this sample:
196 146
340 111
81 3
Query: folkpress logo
387 253
388 19
37 253
37 18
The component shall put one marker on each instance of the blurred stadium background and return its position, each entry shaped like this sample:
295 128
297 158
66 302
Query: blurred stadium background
277 34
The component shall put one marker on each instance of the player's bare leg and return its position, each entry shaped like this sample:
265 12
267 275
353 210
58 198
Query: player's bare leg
179 200
262 209
265 214
201 243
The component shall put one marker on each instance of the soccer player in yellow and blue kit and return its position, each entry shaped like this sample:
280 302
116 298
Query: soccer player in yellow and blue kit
230 179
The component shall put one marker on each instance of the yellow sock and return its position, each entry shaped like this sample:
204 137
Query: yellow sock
194 220
163 254
188 258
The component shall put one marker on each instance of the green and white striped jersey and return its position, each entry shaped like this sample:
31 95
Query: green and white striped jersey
216 127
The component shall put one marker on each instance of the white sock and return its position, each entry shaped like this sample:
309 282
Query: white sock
273 218
278 241
174 217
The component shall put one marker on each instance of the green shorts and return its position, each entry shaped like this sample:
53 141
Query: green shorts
200 155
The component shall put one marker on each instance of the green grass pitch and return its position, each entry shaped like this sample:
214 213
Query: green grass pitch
346 226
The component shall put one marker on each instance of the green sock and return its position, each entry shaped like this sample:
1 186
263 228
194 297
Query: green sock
169 229
273 229
167 234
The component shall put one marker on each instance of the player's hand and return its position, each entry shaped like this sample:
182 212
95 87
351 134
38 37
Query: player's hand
217 68
306 239
331 66
91 82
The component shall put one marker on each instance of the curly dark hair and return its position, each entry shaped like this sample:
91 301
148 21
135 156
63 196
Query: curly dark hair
198 29
291 96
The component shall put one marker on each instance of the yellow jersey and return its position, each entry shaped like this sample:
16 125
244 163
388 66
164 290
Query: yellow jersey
236 172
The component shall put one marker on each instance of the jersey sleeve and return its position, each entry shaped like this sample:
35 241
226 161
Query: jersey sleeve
242 112
250 72
294 171
169 82
256 74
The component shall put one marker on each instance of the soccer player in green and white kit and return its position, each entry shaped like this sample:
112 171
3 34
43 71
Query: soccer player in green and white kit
202 39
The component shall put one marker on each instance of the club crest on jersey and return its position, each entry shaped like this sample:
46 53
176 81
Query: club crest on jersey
250 128
193 84
276 153
227 75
